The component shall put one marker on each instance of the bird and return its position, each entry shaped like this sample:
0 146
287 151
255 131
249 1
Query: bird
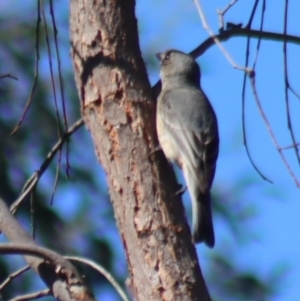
187 131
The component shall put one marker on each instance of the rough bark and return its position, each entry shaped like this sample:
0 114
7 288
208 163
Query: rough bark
118 110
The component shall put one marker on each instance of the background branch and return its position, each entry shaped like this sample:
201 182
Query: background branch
33 296
102 271
33 180
10 227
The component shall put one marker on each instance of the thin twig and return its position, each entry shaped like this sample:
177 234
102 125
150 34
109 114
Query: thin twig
263 10
252 14
12 276
101 270
217 41
55 31
265 119
286 83
56 176
61 85
59 132
222 12
33 180
294 91
51 67
36 69
245 141
33 296
9 76
290 146
32 213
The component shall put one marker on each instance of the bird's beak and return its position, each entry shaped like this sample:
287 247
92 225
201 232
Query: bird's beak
158 55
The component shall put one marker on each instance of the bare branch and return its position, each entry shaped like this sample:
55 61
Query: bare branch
261 28
294 91
36 69
265 119
217 41
33 296
12 276
33 180
59 131
244 87
252 14
56 175
286 85
9 76
51 68
222 12
243 32
59 275
59 66
244 90
290 146
102 271
63 102
62 95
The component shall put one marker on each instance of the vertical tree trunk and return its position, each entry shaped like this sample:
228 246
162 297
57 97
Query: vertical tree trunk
119 112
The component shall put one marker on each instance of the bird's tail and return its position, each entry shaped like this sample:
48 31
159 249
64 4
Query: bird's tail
202 220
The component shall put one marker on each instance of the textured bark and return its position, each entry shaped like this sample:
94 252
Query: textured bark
119 112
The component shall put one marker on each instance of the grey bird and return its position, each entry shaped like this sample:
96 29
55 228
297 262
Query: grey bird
187 131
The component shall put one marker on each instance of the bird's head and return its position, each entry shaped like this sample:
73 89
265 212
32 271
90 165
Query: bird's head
176 64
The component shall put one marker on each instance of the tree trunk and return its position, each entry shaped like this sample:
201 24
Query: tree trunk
119 111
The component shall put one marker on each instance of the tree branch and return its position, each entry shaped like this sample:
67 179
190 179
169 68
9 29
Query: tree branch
244 32
12 276
272 135
33 180
51 274
102 271
36 69
217 41
33 296
8 75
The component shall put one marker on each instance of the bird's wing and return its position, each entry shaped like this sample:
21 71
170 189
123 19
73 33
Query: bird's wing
189 117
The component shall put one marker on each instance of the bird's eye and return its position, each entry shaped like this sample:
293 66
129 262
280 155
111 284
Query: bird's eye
167 56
